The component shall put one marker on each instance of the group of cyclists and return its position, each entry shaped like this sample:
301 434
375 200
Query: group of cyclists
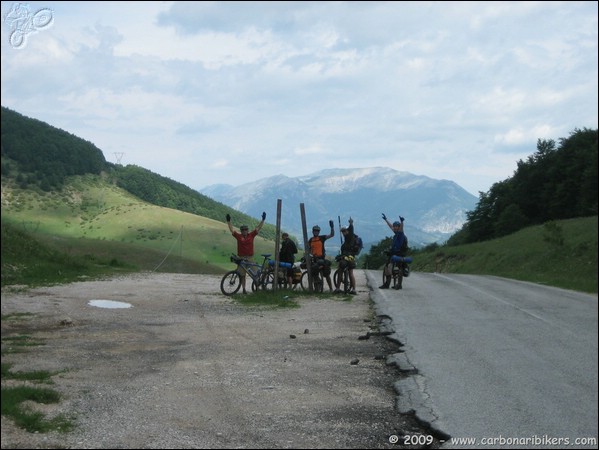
349 250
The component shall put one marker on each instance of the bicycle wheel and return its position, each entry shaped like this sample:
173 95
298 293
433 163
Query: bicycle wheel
230 283
283 283
387 270
304 281
318 282
336 277
267 281
270 278
397 276
346 281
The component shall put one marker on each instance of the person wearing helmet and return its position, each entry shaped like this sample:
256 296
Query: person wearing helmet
245 241
399 246
347 249
317 250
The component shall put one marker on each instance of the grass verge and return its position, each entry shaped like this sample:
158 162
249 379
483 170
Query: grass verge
15 397
283 298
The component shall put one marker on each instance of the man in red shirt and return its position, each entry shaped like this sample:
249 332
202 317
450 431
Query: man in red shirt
245 240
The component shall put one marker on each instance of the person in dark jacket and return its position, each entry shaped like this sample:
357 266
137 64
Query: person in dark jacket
348 248
287 254
398 247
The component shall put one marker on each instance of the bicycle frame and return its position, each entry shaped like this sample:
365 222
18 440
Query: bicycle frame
259 273
254 270
318 276
394 268
341 276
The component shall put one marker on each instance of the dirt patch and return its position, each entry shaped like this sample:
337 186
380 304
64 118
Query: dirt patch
186 367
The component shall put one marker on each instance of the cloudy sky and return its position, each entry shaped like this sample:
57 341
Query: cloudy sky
230 92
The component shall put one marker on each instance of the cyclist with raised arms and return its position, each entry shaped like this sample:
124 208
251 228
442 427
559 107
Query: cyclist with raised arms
317 250
245 241
399 247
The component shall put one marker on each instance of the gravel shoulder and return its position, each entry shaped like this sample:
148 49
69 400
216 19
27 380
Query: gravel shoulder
186 367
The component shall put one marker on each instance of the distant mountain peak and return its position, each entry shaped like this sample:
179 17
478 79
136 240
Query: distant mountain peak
379 178
434 209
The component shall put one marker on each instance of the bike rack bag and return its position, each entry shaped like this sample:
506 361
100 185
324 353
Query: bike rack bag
404 259
285 265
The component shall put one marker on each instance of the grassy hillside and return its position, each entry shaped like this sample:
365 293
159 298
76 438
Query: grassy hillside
91 217
93 227
559 253
39 157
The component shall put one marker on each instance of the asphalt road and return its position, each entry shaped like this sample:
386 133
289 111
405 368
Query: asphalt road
503 363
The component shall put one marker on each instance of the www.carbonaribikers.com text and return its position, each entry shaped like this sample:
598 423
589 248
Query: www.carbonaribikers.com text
541 441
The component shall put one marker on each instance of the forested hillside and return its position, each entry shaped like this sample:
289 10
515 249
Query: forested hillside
557 182
162 191
38 156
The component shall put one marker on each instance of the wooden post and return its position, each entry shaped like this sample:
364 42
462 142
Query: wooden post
307 256
275 283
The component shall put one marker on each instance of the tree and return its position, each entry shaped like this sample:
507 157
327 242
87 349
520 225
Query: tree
510 220
556 182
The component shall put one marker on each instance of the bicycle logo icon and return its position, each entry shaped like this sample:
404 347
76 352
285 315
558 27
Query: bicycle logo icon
23 23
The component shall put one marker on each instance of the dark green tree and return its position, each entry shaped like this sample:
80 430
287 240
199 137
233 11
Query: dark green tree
510 220
556 182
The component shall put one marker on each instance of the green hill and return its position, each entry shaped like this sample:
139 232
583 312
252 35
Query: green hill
58 189
559 253
41 158
92 216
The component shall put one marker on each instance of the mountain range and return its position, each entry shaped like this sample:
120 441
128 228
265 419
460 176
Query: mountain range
433 209
37 155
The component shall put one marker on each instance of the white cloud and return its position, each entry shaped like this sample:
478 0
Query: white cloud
314 149
220 163
519 136
203 92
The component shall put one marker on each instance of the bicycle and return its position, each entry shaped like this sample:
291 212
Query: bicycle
318 266
341 276
397 268
262 275
297 276
282 273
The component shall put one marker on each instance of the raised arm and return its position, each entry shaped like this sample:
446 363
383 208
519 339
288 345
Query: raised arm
387 221
332 233
261 224
401 219
390 225
229 223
